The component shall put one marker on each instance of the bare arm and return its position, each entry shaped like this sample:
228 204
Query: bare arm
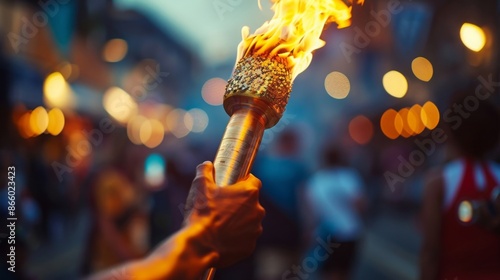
182 256
221 228
431 218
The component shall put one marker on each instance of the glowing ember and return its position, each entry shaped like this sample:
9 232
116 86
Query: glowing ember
293 32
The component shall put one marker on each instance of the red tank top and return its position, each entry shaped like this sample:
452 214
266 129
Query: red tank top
469 251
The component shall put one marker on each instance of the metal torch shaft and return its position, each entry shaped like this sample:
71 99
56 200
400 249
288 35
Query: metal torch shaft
239 146
237 151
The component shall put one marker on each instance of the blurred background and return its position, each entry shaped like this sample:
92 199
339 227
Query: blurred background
107 106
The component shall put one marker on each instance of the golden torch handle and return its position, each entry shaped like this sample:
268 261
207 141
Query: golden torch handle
237 151
255 98
239 146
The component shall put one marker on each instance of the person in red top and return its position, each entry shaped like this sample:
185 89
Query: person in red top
455 248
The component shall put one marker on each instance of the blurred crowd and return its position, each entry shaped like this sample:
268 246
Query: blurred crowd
337 207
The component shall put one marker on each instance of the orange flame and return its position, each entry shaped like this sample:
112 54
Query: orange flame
294 30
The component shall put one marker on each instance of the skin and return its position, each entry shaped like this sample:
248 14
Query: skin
221 227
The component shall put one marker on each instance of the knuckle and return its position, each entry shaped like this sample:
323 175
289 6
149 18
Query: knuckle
261 211
253 193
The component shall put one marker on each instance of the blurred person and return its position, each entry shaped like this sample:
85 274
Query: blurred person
118 233
283 175
119 207
335 200
220 228
452 249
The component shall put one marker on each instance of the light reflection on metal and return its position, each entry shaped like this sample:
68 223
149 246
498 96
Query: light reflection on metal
256 96
255 99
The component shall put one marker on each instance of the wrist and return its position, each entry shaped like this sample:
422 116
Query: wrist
186 255
200 240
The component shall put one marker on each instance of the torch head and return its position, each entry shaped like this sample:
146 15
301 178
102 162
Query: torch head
262 83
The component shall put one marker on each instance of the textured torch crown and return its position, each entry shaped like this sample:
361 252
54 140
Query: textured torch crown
261 82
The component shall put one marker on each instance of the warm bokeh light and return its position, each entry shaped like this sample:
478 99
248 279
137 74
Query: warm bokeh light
391 124
175 123
24 125
57 92
115 50
422 68
213 91
134 128
188 121
472 36
407 130
154 170
79 143
430 115
69 71
151 133
39 120
119 104
337 85
145 131
395 83
415 120
361 129
56 121
200 120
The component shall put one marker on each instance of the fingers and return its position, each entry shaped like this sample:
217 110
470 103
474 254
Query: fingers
205 170
254 181
250 183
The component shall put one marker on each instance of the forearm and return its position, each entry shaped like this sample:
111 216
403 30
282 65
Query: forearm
182 256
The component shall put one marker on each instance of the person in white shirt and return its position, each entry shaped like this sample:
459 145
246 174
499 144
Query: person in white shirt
335 197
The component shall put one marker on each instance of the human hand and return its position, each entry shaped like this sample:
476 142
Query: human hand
231 216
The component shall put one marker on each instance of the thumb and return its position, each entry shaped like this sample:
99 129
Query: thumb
205 170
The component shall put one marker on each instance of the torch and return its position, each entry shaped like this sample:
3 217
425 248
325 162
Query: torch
255 98
258 91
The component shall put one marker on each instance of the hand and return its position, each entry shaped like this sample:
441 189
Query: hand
231 215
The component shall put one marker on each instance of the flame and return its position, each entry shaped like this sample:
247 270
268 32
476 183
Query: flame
294 30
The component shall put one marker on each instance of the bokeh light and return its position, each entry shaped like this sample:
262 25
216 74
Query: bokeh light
69 71
414 119
200 120
188 121
154 170
39 120
176 124
406 131
115 50
151 133
361 129
24 125
337 85
57 92
395 83
213 91
119 104
465 211
134 129
391 124
422 68
79 144
56 121
430 115
472 36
